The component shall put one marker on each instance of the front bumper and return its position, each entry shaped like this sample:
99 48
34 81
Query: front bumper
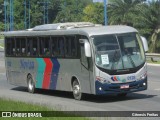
114 88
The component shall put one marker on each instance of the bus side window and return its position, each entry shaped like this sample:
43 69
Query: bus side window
35 47
47 50
29 46
32 47
44 43
18 44
23 47
61 46
10 46
71 46
54 47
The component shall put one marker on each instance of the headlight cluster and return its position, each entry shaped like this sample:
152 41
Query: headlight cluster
102 80
143 76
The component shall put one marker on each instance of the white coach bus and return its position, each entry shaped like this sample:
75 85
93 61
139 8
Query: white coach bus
79 57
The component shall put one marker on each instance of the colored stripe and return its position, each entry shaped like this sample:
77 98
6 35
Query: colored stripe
118 78
40 70
55 72
115 78
47 73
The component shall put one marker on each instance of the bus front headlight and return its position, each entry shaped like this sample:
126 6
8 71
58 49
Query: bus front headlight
143 76
102 80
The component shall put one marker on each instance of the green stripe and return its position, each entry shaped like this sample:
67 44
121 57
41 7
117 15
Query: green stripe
40 72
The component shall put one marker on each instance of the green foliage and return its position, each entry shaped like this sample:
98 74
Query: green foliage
1 26
10 105
122 11
148 22
71 10
94 13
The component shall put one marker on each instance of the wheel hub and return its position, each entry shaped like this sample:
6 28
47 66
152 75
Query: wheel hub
30 84
76 90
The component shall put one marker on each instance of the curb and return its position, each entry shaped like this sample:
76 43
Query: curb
150 64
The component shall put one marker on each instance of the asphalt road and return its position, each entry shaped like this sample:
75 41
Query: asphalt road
148 100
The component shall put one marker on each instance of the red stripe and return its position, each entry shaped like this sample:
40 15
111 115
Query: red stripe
115 78
47 73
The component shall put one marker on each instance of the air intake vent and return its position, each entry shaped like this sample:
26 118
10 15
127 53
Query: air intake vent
62 26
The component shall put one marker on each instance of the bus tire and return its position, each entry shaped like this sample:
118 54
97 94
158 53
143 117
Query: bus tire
77 93
31 84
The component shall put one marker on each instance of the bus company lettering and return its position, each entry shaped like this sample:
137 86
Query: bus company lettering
27 64
131 78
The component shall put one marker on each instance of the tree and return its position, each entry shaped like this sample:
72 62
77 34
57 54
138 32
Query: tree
71 10
122 11
94 13
148 22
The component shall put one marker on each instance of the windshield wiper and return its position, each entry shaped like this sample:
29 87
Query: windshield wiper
129 56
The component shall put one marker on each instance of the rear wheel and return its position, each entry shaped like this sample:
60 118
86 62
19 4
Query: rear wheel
31 84
77 93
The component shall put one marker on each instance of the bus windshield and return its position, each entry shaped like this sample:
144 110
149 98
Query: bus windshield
118 52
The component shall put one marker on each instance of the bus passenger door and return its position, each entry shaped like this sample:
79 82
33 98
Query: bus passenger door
85 71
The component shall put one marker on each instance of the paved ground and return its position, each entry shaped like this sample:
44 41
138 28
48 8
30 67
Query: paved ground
148 100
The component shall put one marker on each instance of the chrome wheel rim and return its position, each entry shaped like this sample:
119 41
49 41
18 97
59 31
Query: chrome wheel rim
76 90
30 84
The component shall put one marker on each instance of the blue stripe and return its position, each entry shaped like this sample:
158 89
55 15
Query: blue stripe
55 72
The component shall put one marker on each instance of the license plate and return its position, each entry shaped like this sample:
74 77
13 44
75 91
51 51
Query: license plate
124 86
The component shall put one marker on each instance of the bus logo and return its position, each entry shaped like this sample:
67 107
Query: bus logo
116 78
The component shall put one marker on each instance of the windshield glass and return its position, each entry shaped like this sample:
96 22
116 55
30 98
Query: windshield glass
115 52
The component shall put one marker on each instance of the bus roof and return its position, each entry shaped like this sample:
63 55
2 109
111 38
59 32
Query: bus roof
88 31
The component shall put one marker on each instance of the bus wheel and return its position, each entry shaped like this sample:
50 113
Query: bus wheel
31 84
76 90
122 94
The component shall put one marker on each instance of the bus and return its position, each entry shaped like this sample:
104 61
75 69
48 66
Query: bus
80 57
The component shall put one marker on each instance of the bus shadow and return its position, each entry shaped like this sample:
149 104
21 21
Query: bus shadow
115 98
55 93
88 97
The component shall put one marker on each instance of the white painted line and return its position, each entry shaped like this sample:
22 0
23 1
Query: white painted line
158 89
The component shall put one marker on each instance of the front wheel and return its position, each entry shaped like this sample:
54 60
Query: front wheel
77 93
31 84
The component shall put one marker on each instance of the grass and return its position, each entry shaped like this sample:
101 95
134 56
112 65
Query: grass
1 37
157 62
2 45
10 105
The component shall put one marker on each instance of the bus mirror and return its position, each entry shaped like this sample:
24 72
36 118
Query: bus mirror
145 43
87 47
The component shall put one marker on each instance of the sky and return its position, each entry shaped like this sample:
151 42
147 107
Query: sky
97 0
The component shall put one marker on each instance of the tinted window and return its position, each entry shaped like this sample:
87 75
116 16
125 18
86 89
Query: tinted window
57 46
70 46
20 46
32 47
10 47
44 43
